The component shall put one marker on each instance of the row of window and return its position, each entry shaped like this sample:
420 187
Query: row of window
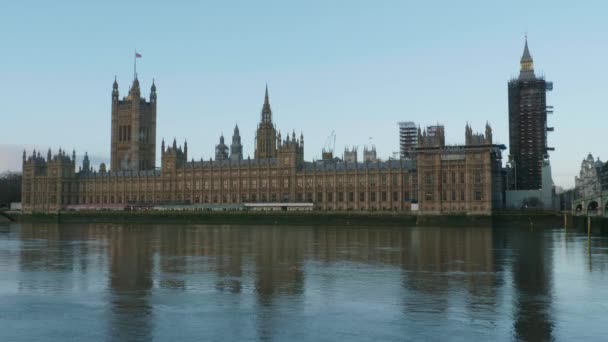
452 196
340 197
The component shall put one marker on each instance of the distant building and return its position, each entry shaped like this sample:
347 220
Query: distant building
589 181
408 139
528 125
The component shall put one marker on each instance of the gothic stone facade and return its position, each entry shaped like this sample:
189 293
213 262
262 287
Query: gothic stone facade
279 173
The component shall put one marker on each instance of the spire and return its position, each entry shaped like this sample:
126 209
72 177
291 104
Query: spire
526 63
266 111
115 89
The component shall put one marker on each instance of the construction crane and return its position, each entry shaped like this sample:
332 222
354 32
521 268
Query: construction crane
330 143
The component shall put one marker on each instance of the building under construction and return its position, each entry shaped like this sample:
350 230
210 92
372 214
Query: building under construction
408 139
528 126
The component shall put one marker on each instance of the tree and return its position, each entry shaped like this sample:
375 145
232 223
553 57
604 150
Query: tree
10 188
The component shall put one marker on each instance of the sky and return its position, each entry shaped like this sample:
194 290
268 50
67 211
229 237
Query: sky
351 67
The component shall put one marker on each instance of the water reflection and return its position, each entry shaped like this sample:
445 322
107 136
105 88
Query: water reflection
131 279
146 282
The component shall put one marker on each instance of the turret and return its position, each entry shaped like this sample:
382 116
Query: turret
153 93
135 92
115 90
488 133
221 150
236 148
86 164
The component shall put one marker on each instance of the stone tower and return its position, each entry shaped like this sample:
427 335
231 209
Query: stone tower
133 130
266 135
236 148
528 125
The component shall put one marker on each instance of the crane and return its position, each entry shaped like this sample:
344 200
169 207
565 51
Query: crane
330 142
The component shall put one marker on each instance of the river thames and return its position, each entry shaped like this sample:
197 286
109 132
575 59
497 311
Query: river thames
111 282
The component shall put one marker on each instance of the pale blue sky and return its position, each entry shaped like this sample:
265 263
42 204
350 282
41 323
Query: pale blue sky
356 67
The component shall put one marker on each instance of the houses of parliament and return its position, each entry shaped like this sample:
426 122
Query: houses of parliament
439 179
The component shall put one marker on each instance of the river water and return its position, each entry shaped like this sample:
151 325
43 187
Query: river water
109 282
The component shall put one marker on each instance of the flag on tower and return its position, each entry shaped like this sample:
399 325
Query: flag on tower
137 55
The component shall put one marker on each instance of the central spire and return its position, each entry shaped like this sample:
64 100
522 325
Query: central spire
266 111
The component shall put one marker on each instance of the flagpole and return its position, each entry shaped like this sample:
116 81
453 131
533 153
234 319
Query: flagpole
135 65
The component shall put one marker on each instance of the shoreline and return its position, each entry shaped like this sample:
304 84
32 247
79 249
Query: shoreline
381 218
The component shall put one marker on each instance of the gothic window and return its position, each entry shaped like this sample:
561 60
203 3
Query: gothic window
478 196
383 196
362 196
340 196
395 196
477 177
372 196
351 196
428 178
